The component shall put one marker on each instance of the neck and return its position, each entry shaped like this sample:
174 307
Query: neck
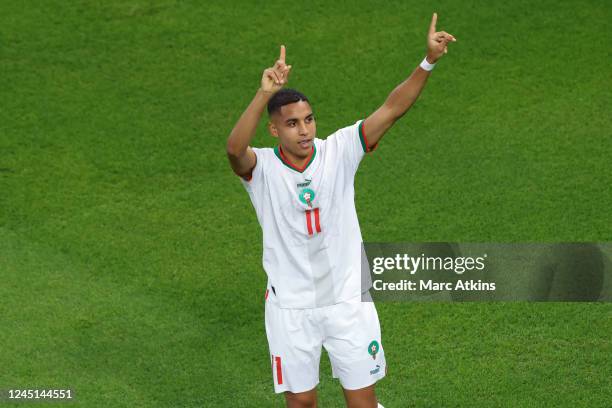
297 161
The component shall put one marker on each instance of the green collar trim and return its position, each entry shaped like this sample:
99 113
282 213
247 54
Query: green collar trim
279 153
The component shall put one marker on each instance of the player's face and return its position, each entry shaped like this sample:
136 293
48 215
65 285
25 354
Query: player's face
295 128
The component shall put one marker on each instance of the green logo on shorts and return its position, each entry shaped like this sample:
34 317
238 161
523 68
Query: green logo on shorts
373 349
307 196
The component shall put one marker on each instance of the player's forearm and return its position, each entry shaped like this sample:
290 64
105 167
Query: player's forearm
244 130
406 93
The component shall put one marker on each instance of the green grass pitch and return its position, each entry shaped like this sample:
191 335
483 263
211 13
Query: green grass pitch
130 256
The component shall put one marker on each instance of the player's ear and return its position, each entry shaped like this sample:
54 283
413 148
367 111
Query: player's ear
272 129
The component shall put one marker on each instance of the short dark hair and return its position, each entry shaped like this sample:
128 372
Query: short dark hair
284 97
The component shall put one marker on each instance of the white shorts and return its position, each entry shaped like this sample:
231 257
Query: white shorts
349 331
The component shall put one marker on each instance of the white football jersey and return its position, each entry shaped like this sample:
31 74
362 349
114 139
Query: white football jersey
311 236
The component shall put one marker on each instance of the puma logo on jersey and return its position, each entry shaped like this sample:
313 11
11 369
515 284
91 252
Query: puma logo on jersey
306 183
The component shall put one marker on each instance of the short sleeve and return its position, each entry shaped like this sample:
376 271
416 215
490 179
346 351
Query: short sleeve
256 177
351 143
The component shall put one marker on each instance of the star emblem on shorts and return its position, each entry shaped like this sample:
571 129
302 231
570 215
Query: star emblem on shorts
373 349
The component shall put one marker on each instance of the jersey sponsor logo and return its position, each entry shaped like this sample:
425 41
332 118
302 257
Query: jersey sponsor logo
307 196
376 370
306 183
373 349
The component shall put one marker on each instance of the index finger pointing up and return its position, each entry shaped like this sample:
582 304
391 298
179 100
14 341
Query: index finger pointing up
282 53
432 26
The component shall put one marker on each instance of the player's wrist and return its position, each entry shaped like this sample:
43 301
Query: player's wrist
431 59
265 92
428 63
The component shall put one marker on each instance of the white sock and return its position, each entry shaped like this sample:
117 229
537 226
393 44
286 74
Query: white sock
380 406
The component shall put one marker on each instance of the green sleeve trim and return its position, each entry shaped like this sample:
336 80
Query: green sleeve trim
362 138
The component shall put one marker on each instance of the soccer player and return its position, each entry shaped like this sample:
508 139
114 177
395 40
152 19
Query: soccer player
303 195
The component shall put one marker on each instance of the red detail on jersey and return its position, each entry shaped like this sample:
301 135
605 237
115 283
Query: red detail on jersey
279 371
316 217
309 222
293 166
365 139
267 291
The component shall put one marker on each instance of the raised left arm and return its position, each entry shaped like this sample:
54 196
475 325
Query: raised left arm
405 94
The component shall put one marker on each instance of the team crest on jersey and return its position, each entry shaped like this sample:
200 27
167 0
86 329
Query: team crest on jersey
373 349
307 196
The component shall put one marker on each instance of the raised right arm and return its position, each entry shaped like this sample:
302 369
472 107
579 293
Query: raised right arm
240 155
